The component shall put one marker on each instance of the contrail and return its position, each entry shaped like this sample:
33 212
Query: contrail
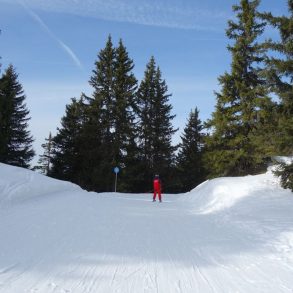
51 34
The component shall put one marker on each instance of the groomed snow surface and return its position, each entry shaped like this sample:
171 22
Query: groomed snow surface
227 235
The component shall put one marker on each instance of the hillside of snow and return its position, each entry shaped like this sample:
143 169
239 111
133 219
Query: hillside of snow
18 184
226 235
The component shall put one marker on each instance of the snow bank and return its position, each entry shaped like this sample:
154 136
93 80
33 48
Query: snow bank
284 160
224 193
19 184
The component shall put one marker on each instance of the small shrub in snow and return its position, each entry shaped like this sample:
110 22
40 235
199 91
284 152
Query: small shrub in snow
285 172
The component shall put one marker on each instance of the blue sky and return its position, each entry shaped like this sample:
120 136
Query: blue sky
54 44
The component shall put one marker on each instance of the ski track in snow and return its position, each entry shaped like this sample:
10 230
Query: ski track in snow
79 242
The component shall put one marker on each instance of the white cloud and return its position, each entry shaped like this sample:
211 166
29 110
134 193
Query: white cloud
163 13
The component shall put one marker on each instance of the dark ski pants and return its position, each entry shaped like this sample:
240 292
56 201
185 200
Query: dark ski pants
159 194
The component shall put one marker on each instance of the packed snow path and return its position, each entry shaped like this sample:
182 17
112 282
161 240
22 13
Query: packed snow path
74 241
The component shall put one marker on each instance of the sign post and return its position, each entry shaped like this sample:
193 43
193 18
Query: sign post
116 171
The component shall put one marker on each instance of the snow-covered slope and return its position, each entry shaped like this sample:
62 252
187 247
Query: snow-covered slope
223 194
18 184
227 235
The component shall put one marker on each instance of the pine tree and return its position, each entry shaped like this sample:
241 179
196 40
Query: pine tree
100 123
91 150
15 139
155 128
280 77
66 153
44 162
243 101
111 113
105 136
189 158
125 152
285 172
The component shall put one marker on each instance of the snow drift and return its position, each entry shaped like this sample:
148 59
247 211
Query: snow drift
18 184
223 193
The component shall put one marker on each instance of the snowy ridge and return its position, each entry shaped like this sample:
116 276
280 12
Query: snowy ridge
19 184
224 193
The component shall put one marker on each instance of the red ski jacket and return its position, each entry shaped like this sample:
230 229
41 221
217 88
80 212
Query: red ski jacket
157 185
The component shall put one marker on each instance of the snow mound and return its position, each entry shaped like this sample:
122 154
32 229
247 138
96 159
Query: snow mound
19 184
284 160
223 193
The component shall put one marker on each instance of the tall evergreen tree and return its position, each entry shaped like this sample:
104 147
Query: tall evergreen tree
189 158
15 139
105 134
44 162
155 128
242 103
125 152
111 113
100 124
66 152
280 77
91 149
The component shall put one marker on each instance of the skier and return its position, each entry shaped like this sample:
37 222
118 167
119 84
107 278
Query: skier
157 188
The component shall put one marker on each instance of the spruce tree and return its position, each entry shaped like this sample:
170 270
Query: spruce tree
91 149
44 162
105 136
189 158
125 152
100 122
280 77
155 128
285 172
242 102
15 138
111 115
66 152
